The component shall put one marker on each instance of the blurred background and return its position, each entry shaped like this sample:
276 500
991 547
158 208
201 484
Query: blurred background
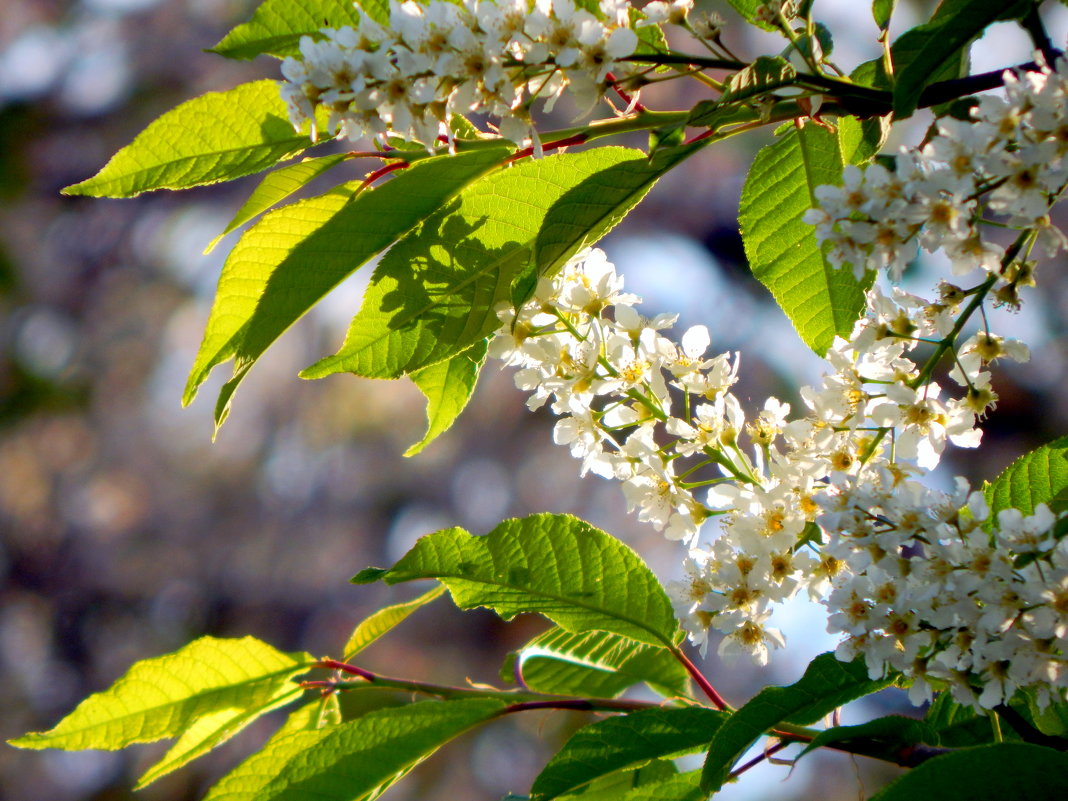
125 532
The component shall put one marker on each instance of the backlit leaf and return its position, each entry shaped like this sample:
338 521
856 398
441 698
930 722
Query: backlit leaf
433 295
448 386
165 696
820 300
277 25
351 761
216 137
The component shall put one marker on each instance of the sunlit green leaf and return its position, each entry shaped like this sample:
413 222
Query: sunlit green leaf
276 187
820 300
351 761
594 664
277 25
384 620
294 256
1040 476
588 211
995 772
448 386
625 741
826 685
434 293
165 696
216 137
556 565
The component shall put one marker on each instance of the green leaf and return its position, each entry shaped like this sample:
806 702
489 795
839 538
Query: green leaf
384 620
764 75
1040 476
1051 719
588 211
276 187
783 253
884 738
881 11
290 259
277 25
994 772
165 696
595 664
625 741
216 137
826 685
957 726
355 760
556 565
657 781
748 10
433 294
939 44
859 141
208 731
448 386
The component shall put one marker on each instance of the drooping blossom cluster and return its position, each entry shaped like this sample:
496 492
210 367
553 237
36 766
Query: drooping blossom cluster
661 418
1006 160
936 588
441 58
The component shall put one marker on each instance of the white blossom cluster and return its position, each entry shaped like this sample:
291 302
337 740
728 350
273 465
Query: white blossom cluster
936 589
441 58
1007 160
661 418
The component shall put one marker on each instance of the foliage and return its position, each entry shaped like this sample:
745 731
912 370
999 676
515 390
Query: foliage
482 244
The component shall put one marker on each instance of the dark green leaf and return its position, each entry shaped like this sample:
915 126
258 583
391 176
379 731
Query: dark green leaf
351 761
1040 476
277 25
276 187
294 256
986 773
556 565
820 300
448 386
656 781
433 294
623 742
884 738
826 685
595 664
216 137
922 55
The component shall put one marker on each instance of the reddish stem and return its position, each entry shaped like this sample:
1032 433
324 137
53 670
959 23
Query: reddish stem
381 171
526 152
345 667
758 759
706 686
700 136
625 96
